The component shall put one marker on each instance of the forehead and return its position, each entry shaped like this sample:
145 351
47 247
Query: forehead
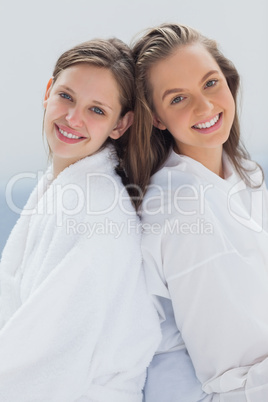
84 70
187 64
89 81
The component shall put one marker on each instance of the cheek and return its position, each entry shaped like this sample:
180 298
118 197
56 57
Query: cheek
228 100
231 106
52 112
180 118
55 108
48 119
177 124
94 123
163 114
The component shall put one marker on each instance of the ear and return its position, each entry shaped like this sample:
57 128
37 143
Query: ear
48 88
122 125
158 124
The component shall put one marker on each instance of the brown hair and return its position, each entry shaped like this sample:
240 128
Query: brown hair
151 146
115 56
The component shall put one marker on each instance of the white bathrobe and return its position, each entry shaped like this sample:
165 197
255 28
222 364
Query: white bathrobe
76 321
205 248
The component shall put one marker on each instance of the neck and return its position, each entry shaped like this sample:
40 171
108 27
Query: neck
60 164
211 158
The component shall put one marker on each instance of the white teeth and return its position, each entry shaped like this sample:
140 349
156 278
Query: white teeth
208 123
68 135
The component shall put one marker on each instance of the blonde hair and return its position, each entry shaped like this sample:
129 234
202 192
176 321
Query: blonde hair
150 145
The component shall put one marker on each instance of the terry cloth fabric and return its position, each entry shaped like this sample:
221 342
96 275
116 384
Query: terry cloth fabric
76 321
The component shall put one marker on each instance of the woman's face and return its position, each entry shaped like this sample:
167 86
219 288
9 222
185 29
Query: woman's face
82 110
192 100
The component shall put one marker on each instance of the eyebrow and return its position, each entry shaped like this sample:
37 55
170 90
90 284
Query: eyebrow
176 90
94 101
67 89
102 104
208 74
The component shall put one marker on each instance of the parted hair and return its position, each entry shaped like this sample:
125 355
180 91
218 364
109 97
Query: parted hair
115 56
151 146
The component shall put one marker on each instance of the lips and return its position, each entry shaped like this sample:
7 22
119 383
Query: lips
210 125
68 135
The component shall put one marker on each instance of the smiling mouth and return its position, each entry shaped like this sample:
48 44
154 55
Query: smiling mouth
208 124
69 135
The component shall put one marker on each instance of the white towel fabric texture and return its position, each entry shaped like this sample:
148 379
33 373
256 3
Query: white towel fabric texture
76 323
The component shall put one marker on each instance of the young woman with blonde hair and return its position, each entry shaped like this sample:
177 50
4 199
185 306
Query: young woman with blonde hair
205 219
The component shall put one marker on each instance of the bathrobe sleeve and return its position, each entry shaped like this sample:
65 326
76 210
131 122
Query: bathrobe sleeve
215 272
75 335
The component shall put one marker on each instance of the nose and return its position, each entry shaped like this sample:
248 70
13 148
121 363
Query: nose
203 105
74 117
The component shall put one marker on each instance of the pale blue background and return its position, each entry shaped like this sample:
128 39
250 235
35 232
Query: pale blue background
34 33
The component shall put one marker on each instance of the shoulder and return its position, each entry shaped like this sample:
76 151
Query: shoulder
172 189
99 166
